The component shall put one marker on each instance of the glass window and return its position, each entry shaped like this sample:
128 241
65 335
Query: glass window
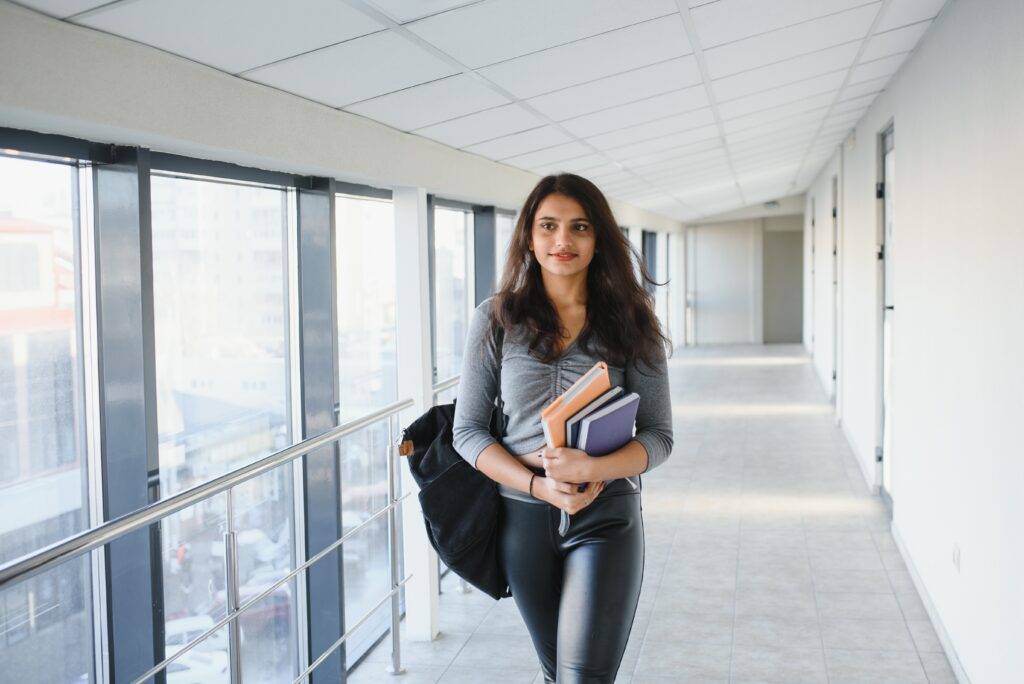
661 275
452 289
220 301
504 226
43 465
367 358
369 381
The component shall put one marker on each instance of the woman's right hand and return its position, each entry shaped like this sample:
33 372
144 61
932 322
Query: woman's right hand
563 495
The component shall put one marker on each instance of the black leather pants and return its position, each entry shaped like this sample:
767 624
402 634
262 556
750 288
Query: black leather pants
578 593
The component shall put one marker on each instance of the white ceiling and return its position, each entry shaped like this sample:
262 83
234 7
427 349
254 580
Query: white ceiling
684 107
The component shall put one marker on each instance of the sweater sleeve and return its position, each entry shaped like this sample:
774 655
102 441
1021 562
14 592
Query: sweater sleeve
654 412
478 387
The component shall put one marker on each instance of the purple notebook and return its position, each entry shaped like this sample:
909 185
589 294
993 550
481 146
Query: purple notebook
609 427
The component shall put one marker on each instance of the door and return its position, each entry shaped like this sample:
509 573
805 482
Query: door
813 282
835 288
888 310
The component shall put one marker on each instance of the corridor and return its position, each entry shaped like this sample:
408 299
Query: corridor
767 559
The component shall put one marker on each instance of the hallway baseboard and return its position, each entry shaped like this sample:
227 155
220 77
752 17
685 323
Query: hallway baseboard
929 606
870 479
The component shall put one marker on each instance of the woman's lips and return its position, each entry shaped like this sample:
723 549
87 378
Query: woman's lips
564 257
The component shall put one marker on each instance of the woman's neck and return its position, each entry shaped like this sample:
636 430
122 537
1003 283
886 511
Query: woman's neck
566 292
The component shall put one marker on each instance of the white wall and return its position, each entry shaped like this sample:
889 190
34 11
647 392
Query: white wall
957 469
56 77
727 273
677 289
819 311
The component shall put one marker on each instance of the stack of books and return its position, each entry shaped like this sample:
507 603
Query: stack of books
590 416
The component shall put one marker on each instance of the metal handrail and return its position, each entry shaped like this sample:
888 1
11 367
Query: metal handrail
233 614
446 384
59 552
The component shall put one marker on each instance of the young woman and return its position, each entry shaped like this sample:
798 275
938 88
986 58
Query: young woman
569 297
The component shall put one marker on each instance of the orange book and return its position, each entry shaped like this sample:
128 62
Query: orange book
590 386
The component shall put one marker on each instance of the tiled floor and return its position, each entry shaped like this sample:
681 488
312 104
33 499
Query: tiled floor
766 558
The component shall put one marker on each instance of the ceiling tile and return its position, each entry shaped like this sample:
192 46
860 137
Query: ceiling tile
634 113
489 32
706 157
658 155
485 125
664 142
519 143
623 88
233 35
429 103
907 12
856 103
591 58
879 68
895 41
582 165
654 129
355 70
735 129
816 104
62 8
836 58
729 20
603 170
789 42
407 10
801 90
871 87
747 139
549 155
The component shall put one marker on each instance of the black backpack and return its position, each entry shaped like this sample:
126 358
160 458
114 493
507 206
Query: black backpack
461 505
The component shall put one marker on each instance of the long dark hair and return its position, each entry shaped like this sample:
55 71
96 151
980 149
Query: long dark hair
620 322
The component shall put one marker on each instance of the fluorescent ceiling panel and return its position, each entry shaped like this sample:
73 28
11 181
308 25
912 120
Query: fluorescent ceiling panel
480 126
790 42
894 42
488 32
623 88
355 70
430 103
730 20
520 143
233 35
633 113
591 58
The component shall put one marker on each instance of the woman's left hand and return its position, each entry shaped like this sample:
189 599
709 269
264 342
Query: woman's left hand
566 464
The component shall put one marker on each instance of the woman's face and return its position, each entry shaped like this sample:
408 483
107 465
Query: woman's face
562 237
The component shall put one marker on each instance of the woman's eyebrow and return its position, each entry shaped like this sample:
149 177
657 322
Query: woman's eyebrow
553 218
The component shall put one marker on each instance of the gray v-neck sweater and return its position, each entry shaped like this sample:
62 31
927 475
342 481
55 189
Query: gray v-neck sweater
528 385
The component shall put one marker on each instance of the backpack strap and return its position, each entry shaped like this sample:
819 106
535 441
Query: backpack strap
499 335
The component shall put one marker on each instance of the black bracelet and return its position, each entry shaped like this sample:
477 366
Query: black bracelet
531 483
